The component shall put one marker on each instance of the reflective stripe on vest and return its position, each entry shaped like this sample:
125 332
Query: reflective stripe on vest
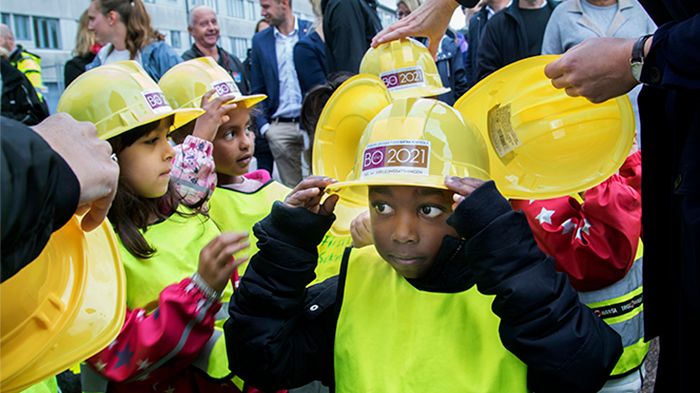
178 241
393 338
29 65
234 210
621 306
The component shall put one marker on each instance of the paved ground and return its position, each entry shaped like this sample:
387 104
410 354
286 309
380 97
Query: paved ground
652 361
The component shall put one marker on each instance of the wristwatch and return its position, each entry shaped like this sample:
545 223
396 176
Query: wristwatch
637 60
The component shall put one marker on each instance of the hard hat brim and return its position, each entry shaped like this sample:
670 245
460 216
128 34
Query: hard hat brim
180 118
249 101
98 315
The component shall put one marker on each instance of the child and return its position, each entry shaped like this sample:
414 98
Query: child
168 341
403 316
242 198
596 242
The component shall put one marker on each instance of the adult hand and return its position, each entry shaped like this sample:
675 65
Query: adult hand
462 187
308 194
216 260
597 68
215 114
361 230
89 159
429 20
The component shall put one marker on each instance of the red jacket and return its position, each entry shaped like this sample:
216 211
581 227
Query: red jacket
595 243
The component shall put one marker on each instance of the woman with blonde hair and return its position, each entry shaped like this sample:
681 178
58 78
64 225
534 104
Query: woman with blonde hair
124 26
86 47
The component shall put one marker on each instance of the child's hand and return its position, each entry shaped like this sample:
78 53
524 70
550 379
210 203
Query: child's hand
462 187
361 231
216 261
308 194
214 116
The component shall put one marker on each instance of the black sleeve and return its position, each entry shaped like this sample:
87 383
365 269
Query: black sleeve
346 36
565 346
39 194
72 70
280 333
459 75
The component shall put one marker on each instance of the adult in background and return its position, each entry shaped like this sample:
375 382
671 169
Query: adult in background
204 28
259 26
273 74
577 20
262 154
84 52
514 34
348 26
48 173
310 54
476 29
124 26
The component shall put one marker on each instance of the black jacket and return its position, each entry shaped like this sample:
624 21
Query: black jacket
19 98
477 23
348 27
75 67
276 339
670 127
39 194
504 41
450 65
229 62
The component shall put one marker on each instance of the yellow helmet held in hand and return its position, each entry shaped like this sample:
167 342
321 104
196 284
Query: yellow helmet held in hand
118 97
73 302
406 68
414 142
541 142
186 83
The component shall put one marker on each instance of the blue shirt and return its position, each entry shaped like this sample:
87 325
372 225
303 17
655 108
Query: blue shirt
290 92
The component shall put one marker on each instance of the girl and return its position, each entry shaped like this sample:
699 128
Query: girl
168 341
125 28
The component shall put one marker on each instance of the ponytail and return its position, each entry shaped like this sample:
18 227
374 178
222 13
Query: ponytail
134 15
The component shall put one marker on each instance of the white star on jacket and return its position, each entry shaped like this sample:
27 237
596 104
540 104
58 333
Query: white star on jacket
545 216
567 226
585 229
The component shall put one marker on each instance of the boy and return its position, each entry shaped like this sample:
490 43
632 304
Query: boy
404 316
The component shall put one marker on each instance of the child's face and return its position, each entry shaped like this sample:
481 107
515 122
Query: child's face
234 144
146 164
408 224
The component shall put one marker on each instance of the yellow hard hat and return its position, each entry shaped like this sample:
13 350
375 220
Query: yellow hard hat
73 303
186 83
118 97
406 67
543 143
414 142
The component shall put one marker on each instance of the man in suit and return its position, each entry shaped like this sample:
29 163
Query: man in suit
273 73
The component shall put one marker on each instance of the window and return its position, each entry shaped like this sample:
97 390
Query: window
46 33
250 10
210 3
175 39
22 28
6 19
239 47
235 8
149 1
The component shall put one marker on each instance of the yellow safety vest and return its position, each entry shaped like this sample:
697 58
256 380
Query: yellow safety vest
30 65
621 306
234 210
178 241
393 338
49 385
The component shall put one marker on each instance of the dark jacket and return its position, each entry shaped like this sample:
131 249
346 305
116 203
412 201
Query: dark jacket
39 194
450 65
476 29
348 26
310 62
670 127
229 62
276 337
75 67
504 41
20 100
263 76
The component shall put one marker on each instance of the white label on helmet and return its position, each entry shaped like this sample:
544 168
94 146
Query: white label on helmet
503 138
398 157
403 78
224 87
157 102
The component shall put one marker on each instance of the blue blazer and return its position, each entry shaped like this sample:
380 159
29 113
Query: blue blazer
264 78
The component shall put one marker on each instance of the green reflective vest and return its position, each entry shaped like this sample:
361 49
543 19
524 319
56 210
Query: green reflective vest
393 338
